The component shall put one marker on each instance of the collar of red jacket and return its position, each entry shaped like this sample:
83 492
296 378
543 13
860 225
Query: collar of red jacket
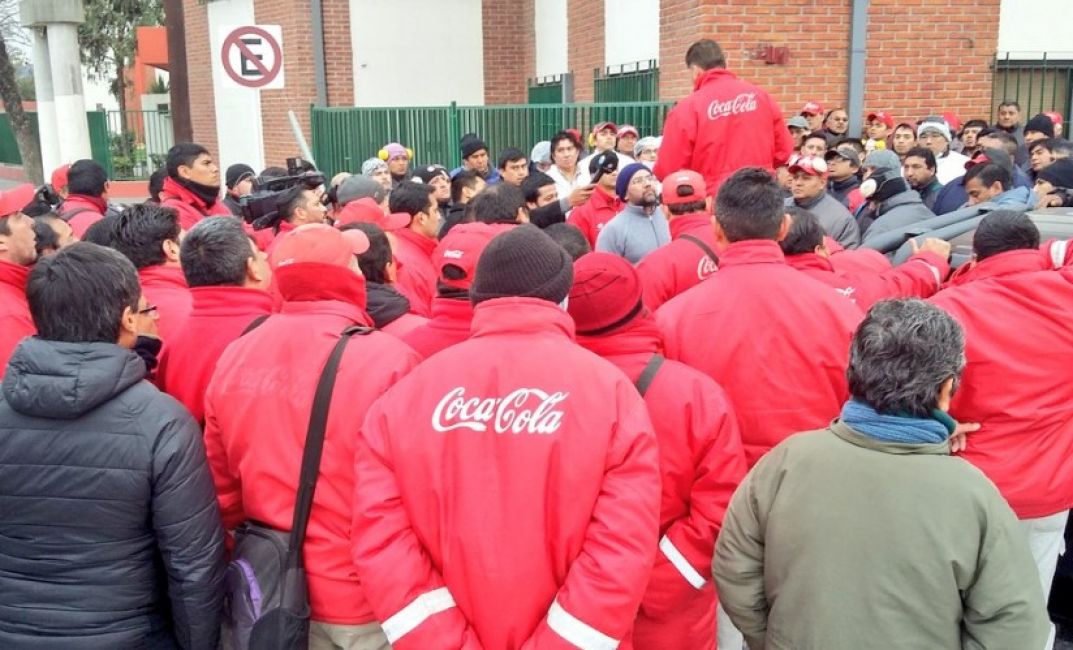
229 301
641 335
752 251
162 274
687 223
810 262
451 310
603 200
75 201
172 190
521 316
14 275
426 244
712 75
315 282
1003 264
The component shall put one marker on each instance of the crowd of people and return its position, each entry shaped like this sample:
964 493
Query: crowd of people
649 392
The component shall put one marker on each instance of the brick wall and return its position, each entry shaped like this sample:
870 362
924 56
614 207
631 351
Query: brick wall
199 73
509 49
338 53
585 43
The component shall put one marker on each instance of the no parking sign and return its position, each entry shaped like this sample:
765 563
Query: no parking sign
252 56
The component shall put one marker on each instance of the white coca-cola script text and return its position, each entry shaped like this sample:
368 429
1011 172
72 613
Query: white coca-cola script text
743 103
525 410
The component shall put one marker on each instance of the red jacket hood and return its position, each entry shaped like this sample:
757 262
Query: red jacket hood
228 301
14 275
752 251
810 262
315 282
521 316
173 190
162 274
713 76
687 223
426 244
1002 264
639 336
79 201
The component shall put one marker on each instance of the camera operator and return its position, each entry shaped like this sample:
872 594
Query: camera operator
295 207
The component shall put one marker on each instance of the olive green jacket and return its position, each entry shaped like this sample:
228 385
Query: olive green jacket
836 541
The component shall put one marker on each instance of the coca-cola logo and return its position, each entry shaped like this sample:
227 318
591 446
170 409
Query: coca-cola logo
705 267
525 410
743 103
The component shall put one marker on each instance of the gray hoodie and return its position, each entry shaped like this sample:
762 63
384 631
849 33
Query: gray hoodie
834 217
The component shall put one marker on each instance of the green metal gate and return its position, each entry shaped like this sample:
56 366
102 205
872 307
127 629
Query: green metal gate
630 82
1041 84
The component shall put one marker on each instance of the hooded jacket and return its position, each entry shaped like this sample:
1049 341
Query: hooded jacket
165 287
417 273
776 340
191 208
15 320
634 233
681 264
726 124
591 217
482 476
848 192
921 276
111 533
834 217
1019 350
901 210
390 310
81 212
701 464
257 415
218 316
449 324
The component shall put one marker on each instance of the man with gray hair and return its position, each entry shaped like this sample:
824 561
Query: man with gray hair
868 534
228 278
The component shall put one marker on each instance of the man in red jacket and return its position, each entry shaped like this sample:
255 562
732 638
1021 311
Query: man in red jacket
775 339
192 187
17 255
690 257
919 277
1019 350
604 204
417 274
149 236
509 505
257 413
701 459
456 258
726 124
87 198
228 277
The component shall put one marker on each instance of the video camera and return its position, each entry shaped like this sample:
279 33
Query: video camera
261 207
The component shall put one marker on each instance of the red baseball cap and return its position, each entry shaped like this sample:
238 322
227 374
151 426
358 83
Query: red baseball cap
628 128
813 165
952 121
366 210
605 125
1055 116
685 186
59 177
318 242
462 248
16 199
812 108
883 117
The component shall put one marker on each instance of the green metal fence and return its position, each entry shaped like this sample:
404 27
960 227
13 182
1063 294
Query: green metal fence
546 90
9 147
630 82
1042 84
344 137
138 142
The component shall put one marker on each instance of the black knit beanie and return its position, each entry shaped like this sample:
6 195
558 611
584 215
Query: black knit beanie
470 144
523 262
1041 124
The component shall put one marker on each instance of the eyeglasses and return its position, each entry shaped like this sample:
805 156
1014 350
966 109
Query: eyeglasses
148 310
642 180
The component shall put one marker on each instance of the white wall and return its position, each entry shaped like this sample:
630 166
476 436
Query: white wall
96 93
549 19
238 110
417 52
631 31
1027 28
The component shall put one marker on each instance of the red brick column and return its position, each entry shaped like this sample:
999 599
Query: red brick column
509 49
585 43
338 52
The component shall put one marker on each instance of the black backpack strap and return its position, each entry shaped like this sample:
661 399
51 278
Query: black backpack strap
254 324
649 373
314 445
704 247
67 216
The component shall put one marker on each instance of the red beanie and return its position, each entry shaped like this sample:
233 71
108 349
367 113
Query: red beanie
606 294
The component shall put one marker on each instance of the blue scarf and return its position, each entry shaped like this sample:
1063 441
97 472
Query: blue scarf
903 429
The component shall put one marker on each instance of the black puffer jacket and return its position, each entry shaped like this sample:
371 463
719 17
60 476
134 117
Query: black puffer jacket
110 535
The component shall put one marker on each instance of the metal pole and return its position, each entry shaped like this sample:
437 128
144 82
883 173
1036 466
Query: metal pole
303 146
857 55
319 74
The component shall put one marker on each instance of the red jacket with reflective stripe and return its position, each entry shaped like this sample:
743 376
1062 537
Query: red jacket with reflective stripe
1016 385
775 339
701 463
219 316
1058 251
919 277
511 489
257 414
726 124
450 323
594 214
165 287
15 321
190 207
417 274
669 270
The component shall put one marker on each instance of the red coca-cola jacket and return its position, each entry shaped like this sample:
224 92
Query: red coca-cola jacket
190 207
593 215
726 124
218 316
15 321
919 277
701 463
81 212
1016 385
165 287
257 414
857 260
681 264
450 324
510 494
775 339
417 274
